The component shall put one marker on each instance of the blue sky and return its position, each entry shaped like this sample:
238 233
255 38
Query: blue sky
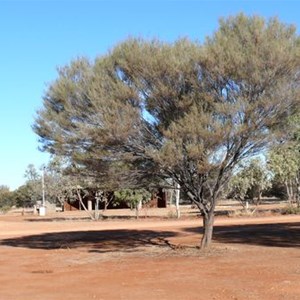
38 36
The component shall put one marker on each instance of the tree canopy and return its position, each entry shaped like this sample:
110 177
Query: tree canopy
181 110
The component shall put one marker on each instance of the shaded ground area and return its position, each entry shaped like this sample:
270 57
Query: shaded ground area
271 235
100 241
153 259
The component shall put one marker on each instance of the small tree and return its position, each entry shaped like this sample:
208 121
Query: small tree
6 198
24 196
284 158
239 186
133 198
32 187
251 179
57 183
259 178
284 163
104 197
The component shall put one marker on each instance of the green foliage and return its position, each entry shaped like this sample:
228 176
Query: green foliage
254 177
277 189
284 163
187 111
291 130
6 198
239 185
31 174
291 210
31 192
132 197
58 185
25 196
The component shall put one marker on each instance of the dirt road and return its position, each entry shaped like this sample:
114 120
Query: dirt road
255 258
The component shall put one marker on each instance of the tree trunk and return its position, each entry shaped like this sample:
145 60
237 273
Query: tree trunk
208 218
105 204
287 191
259 197
107 200
208 223
84 207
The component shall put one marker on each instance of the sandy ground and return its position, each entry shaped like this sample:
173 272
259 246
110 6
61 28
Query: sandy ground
58 257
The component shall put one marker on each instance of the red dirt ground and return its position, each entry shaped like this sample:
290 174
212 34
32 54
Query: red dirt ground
44 258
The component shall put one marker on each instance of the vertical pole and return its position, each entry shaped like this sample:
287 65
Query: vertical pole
42 210
43 188
177 193
97 206
138 208
247 205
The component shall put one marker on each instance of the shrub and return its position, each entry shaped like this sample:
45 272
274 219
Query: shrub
291 210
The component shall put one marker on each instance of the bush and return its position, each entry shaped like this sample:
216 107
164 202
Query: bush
241 213
172 214
291 210
4 209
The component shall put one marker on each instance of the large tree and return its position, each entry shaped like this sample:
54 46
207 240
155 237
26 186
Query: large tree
182 110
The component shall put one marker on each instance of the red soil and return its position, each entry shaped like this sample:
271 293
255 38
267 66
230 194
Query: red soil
254 258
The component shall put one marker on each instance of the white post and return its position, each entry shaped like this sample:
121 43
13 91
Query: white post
247 205
138 208
90 205
177 194
43 186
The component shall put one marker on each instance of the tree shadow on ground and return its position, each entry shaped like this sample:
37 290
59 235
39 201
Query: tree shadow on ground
271 235
88 219
96 241
102 241
57 219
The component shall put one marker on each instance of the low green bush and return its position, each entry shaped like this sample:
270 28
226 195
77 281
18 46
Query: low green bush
4 209
291 210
